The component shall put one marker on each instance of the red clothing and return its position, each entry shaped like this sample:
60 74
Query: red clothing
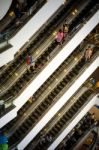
28 60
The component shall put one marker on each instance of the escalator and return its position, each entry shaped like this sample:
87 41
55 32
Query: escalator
11 24
50 84
62 118
41 120
35 43
77 136
7 26
39 108
27 75
30 29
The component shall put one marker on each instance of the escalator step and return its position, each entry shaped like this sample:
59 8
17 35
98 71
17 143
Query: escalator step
57 90
23 129
25 125
44 105
74 109
38 111
68 77
76 106
54 130
29 122
41 108
66 117
36 114
58 127
71 111
82 99
46 101
19 132
63 84
66 80
63 120
60 123
80 102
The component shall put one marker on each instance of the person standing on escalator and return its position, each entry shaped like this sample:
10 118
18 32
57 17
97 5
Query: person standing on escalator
88 53
30 62
59 37
3 141
65 29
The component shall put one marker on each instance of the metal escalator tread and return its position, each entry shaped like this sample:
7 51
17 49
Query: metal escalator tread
25 125
63 84
48 101
74 109
52 133
68 115
63 120
36 114
41 108
60 87
50 98
19 132
60 123
53 94
38 111
68 77
79 102
75 71
85 96
71 75
82 99
76 105
22 129
58 127
57 90
71 111
78 67
29 121
44 105
65 80
32 117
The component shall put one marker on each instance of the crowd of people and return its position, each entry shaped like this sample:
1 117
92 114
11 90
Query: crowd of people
81 128
45 139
